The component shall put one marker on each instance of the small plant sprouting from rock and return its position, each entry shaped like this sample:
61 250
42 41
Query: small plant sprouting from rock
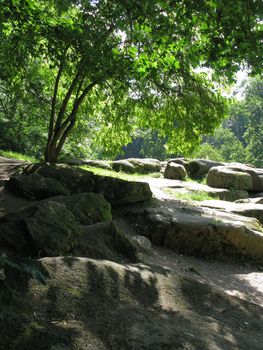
27 266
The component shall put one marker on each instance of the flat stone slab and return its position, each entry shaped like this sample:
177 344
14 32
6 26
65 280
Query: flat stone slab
188 187
247 209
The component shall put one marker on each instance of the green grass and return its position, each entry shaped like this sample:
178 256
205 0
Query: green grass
119 174
18 156
201 181
191 196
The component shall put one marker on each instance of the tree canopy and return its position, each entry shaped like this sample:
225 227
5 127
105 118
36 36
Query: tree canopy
128 63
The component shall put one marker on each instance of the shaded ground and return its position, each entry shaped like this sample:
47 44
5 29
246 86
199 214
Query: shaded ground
167 302
90 304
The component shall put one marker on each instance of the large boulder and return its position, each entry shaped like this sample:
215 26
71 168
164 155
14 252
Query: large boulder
227 177
174 171
230 195
105 240
103 164
45 229
74 180
140 165
145 165
198 168
181 161
142 243
202 232
118 191
87 208
123 165
255 173
34 186
52 227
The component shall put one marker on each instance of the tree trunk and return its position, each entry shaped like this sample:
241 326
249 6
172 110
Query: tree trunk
51 154
60 132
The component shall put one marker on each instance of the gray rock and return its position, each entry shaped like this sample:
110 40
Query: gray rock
145 165
46 229
226 177
74 161
245 209
255 173
202 232
105 240
123 165
34 186
140 165
87 208
74 180
141 242
117 191
256 200
198 168
53 226
103 164
174 171
231 195
181 161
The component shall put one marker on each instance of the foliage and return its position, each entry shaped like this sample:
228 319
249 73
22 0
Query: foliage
254 132
207 151
227 145
22 115
240 136
153 146
146 144
127 64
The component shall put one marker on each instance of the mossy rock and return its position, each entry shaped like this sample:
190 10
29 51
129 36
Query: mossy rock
74 180
45 229
118 191
145 165
123 165
105 240
34 186
139 165
87 208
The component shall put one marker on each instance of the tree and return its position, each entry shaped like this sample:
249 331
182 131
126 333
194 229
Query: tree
254 132
207 151
227 145
131 63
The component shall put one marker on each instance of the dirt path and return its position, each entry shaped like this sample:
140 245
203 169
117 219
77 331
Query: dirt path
245 282
8 201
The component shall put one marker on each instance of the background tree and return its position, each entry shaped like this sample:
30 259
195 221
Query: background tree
130 63
254 131
240 137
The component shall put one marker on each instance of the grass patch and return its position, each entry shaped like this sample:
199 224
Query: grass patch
191 196
18 156
119 174
201 181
